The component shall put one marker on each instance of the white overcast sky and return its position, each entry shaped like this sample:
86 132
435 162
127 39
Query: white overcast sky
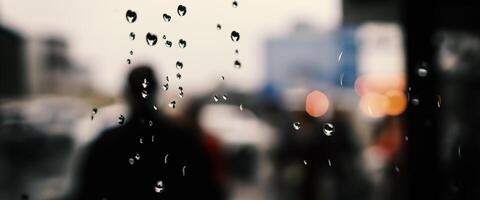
97 34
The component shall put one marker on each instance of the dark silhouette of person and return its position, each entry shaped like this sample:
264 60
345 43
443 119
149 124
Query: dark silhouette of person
149 157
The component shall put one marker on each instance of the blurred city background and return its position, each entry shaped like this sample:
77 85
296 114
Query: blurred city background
318 99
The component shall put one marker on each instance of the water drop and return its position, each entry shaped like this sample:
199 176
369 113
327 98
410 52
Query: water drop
215 98
94 112
235 36
155 108
219 27
179 76
153 138
180 92
137 156
439 101
341 79
397 169
166 17
422 72
236 51
296 126
131 161
459 151
151 39
406 138
150 123
328 129
183 170
121 119
132 35
168 43
145 83
304 162
131 52
223 77
329 163
159 187
182 43
340 56
144 94
415 101
172 104
165 87
225 97
234 4
131 16
164 37
241 107
129 61
140 140
179 65
165 159
166 78
237 64
181 10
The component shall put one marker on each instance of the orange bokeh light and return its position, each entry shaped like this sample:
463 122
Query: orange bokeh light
316 104
397 102
373 104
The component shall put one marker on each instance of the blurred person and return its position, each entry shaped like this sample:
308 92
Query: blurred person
149 157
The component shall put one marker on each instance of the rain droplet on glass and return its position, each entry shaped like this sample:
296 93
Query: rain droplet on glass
223 77
131 16
94 112
179 65
304 162
236 51
234 4
166 17
159 187
137 156
179 76
328 129
155 108
219 27
340 56
144 94
121 119
215 98
415 101
164 37
180 92
131 161
144 83
151 39
150 123
166 78
172 104
183 170
181 10
182 43
165 159
241 107
296 126
225 97
140 140
129 61
237 64
165 86
132 35
235 36
422 72
329 163
168 43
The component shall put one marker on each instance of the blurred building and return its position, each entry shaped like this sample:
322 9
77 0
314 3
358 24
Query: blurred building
53 71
